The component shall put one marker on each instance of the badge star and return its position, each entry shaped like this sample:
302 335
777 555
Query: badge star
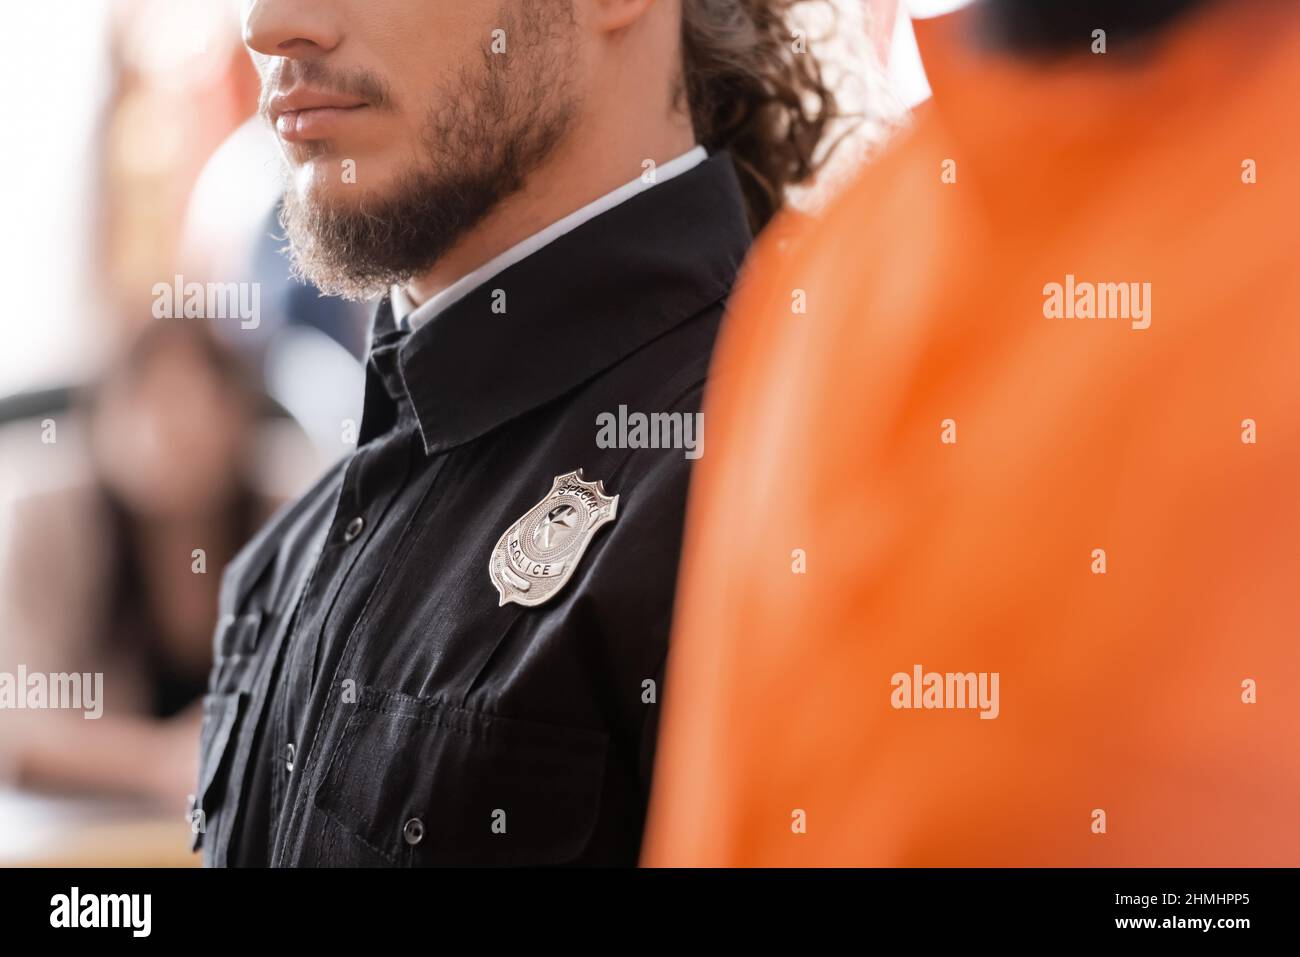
557 526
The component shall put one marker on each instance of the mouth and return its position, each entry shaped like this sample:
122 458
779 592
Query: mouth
302 116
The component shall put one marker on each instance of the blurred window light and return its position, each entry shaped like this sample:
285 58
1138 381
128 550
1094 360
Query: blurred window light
181 41
47 170
906 72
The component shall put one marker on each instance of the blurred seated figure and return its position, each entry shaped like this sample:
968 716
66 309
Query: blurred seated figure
942 483
119 574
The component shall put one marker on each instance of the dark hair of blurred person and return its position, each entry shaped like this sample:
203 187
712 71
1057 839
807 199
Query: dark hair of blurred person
1050 28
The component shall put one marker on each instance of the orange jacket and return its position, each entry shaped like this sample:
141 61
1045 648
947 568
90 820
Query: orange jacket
925 455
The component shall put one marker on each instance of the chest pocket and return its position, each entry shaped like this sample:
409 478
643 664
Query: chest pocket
423 783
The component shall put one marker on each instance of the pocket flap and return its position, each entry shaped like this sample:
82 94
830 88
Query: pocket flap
220 715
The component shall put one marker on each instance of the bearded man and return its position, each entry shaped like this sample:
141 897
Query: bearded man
451 650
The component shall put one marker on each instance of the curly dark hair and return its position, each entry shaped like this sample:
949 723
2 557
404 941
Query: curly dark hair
751 89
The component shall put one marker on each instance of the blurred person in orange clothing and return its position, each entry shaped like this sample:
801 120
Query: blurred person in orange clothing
994 556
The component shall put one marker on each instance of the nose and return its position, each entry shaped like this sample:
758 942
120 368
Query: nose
297 29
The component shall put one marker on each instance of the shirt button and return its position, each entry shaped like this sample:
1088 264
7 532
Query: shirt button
354 529
413 831
288 759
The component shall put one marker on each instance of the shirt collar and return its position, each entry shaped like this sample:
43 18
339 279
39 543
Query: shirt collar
415 316
589 298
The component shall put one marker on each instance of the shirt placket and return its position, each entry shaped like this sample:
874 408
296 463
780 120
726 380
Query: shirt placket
371 481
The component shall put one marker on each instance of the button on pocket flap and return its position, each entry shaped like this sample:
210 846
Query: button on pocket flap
220 715
423 782
237 634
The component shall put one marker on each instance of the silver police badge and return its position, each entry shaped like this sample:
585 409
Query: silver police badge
538 553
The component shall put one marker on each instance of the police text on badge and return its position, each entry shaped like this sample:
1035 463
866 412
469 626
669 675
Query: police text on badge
536 555
653 430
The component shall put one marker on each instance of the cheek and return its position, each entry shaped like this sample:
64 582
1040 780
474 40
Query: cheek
405 36
423 48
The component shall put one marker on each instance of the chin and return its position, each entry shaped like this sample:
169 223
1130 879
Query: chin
334 177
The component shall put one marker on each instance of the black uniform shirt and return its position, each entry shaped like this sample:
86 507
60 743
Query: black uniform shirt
373 700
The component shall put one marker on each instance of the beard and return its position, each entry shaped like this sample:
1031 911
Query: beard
503 118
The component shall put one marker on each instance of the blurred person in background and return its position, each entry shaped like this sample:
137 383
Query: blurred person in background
83 578
993 557
155 444
120 575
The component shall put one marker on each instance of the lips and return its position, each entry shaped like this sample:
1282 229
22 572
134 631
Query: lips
303 115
